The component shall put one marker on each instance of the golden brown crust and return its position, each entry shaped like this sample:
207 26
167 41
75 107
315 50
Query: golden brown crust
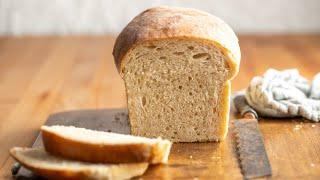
224 111
96 153
173 22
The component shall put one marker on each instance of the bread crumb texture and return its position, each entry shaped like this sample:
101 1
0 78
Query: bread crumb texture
174 88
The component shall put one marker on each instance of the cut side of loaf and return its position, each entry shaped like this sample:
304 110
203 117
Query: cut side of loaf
177 64
103 147
49 166
176 90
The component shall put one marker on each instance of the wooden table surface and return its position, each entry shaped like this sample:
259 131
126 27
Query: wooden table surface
42 75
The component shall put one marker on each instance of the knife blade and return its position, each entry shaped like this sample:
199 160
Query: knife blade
253 158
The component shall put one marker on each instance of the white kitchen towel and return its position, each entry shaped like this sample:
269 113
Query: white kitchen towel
285 94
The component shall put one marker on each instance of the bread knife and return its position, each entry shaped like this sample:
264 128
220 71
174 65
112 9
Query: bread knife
252 154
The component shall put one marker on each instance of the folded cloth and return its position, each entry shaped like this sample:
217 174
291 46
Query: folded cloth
285 94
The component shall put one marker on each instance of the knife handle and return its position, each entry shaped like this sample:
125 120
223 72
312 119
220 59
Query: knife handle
242 106
249 115
15 168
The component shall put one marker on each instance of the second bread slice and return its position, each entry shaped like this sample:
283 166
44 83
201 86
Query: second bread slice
52 167
103 147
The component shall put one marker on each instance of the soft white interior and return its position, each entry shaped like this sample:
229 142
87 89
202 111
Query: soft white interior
97 137
174 89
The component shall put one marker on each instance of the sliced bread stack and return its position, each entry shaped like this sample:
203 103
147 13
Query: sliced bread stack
77 153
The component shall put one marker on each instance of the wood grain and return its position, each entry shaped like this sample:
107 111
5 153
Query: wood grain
43 75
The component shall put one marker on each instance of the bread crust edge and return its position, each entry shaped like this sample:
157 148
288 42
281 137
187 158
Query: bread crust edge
225 111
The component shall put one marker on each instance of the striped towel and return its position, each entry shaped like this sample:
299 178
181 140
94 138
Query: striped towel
285 94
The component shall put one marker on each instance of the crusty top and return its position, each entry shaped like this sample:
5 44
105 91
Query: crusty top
173 22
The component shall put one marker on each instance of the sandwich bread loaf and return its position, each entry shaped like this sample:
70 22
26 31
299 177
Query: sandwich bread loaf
177 64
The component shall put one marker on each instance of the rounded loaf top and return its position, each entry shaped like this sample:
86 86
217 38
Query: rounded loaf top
174 22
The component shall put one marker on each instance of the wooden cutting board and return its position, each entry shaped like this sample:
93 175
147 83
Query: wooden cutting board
187 160
206 160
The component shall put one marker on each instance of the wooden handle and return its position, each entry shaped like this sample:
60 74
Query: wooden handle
249 115
242 106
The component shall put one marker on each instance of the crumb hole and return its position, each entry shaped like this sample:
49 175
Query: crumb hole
167 128
204 62
190 93
191 47
163 57
195 113
180 87
178 53
151 47
214 109
159 49
189 78
200 86
201 55
123 70
175 132
171 108
144 101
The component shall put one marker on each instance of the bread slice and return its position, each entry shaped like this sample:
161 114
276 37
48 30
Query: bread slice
177 64
46 165
103 147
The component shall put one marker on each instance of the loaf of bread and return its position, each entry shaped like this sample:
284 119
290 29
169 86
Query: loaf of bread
177 64
52 167
103 147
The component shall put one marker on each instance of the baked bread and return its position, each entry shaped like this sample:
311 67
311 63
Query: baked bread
103 147
46 165
177 64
